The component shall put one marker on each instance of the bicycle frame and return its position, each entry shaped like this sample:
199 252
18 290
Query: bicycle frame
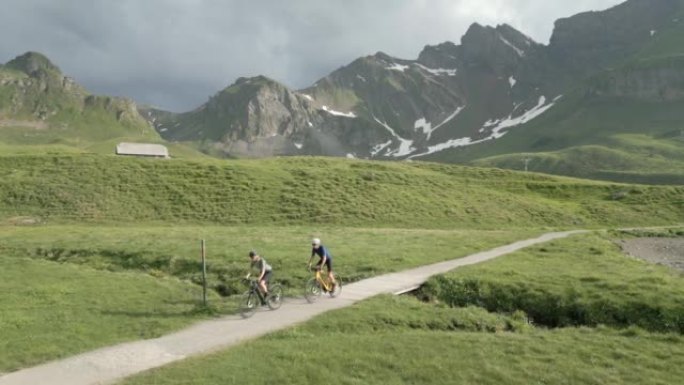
324 281
254 288
319 284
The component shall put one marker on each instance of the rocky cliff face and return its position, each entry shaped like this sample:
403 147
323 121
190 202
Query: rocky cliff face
258 117
652 81
267 118
593 41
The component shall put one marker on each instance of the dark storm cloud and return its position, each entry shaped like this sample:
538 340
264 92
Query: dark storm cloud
177 53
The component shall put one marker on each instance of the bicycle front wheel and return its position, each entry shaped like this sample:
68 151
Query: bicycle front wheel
249 304
275 297
312 290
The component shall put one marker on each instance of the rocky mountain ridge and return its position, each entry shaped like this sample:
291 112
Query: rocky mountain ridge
451 96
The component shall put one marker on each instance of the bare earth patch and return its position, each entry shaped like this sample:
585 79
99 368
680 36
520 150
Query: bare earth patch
38 125
664 251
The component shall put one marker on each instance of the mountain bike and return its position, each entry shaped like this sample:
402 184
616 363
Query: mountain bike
320 284
253 298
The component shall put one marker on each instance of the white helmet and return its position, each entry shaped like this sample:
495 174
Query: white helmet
315 241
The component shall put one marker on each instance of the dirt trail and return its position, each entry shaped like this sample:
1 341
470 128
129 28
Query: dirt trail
38 125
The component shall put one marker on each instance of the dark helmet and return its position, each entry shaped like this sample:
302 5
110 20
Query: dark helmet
252 253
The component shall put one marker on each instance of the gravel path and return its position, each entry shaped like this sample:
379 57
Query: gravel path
107 365
664 251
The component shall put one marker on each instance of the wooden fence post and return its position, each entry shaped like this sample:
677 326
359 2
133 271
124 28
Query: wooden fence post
204 274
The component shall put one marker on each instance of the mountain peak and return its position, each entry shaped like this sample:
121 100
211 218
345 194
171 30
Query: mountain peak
260 79
382 55
514 36
252 85
444 55
476 32
31 62
259 82
485 44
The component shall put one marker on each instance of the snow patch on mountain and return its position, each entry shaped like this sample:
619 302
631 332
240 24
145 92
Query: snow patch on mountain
438 71
397 67
499 125
405 145
453 143
426 126
379 147
512 81
520 52
298 145
338 113
496 127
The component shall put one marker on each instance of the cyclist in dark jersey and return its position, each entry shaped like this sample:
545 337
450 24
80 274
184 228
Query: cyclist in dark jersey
265 271
324 259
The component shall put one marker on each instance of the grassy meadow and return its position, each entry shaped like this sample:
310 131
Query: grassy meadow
390 340
399 340
583 280
52 310
100 249
100 189
76 288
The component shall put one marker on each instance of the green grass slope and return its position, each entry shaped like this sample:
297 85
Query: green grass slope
632 158
171 251
581 281
392 340
392 211
400 341
315 190
106 284
52 310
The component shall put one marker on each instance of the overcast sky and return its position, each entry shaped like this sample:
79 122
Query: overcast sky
175 54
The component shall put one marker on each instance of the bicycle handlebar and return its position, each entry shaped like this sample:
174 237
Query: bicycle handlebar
249 279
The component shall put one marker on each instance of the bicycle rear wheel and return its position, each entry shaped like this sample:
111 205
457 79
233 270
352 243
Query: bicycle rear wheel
312 290
338 288
275 297
249 303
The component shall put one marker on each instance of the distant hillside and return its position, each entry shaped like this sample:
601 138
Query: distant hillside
80 188
40 106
